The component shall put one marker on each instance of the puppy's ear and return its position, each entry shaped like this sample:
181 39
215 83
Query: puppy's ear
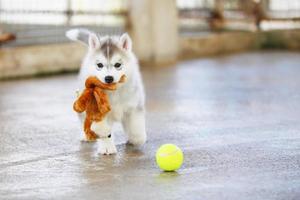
125 42
81 35
94 42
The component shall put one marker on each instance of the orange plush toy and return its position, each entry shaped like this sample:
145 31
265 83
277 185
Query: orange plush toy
94 101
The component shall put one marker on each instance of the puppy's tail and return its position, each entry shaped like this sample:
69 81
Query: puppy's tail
80 34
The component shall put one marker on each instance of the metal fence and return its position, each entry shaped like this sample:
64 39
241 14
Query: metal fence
43 21
200 16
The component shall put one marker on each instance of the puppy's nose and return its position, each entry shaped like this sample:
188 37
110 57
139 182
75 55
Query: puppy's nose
109 79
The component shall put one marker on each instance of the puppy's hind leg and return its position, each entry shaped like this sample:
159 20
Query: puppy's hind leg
134 126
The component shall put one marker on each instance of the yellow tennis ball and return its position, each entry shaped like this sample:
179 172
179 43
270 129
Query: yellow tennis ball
169 157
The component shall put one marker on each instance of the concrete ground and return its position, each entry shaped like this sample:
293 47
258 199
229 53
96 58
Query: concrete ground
236 117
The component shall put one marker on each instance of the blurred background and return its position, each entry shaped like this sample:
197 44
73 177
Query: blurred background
33 42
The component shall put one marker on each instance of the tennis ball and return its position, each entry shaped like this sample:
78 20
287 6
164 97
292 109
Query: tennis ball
169 157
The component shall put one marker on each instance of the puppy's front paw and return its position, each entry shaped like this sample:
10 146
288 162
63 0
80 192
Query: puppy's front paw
107 150
106 146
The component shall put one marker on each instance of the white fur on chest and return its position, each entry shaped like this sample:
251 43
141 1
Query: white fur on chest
125 98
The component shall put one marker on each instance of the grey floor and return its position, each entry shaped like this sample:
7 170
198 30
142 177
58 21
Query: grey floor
236 117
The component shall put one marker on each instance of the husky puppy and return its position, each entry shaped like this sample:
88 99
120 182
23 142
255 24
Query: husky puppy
108 58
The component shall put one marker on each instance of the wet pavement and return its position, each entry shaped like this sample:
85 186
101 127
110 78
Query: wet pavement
236 117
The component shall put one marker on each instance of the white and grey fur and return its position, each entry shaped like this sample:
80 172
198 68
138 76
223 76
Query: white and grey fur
128 101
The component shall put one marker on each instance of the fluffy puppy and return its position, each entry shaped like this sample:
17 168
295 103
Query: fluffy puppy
109 58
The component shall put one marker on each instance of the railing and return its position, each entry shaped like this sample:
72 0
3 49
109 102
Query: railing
202 16
43 21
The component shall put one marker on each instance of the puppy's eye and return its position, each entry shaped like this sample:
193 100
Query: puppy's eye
117 65
100 65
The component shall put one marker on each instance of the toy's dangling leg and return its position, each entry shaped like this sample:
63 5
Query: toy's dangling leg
90 135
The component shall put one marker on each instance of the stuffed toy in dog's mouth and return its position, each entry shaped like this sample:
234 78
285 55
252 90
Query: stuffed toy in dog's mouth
95 102
93 82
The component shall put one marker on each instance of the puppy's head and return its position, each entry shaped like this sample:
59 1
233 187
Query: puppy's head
108 57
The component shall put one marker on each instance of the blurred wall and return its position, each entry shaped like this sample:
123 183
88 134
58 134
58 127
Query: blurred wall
153 26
